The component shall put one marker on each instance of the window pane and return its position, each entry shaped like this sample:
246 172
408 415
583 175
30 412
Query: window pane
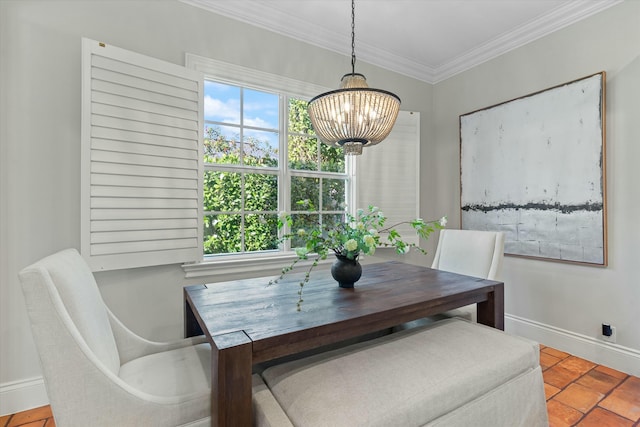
303 153
222 191
260 109
221 102
260 148
221 144
261 192
331 220
305 193
299 121
333 194
261 232
302 221
222 234
331 159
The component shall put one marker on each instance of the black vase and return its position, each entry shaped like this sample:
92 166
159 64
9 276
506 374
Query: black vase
346 271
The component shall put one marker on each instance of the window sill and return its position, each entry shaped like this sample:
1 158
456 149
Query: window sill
229 268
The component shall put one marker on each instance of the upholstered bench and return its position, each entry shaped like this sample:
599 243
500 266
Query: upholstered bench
450 373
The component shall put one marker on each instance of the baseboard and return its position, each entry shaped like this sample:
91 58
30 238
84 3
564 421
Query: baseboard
22 395
612 355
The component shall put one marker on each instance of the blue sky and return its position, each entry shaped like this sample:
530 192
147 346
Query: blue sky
222 103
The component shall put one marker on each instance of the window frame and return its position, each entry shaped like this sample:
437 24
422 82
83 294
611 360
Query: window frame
223 265
242 168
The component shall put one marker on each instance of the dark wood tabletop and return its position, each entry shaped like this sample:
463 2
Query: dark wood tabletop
249 321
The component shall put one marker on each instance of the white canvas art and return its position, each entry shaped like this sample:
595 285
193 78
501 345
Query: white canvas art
534 168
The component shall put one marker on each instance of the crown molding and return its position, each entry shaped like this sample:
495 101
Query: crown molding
560 18
260 14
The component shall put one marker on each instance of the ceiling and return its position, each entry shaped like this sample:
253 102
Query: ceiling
429 40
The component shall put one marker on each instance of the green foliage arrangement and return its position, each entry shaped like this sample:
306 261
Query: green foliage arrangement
359 234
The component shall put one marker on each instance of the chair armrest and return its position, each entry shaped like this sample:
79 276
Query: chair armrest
132 346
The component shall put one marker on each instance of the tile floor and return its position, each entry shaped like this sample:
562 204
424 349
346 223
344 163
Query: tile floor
579 393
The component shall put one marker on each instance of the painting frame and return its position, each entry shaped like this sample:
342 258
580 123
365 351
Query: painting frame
534 167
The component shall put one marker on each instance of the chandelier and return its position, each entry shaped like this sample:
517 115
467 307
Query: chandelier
355 115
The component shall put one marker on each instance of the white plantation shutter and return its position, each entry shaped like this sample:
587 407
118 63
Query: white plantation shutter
388 175
141 160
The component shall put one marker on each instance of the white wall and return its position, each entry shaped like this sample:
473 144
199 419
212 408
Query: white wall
40 161
40 145
560 304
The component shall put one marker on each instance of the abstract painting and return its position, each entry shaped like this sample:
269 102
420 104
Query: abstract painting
534 168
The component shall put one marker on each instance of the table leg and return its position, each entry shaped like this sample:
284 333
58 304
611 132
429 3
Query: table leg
491 311
231 363
191 326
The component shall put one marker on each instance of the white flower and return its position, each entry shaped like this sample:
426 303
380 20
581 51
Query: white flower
351 245
369 240
360 225
301 232
374 232
443 221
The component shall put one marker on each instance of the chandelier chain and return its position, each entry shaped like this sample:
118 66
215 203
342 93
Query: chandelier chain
353 36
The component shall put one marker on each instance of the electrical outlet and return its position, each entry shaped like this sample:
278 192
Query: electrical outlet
611 338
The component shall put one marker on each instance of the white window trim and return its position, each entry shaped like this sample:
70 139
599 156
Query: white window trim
226 267
261 263
232 74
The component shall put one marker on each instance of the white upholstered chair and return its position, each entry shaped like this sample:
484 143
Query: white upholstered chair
472 253
99 373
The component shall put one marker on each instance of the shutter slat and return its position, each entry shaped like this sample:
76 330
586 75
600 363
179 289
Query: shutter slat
139 159
111 214
142 71
153 257
135 236
143 181
141 203
150 128
143 116
137 104
142 170
143 95
132 248
143 192
133 142
145 224
142 84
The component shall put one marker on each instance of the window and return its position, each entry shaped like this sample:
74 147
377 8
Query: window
261 157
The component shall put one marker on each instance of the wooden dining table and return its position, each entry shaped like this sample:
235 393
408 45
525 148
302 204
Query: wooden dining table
249 321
